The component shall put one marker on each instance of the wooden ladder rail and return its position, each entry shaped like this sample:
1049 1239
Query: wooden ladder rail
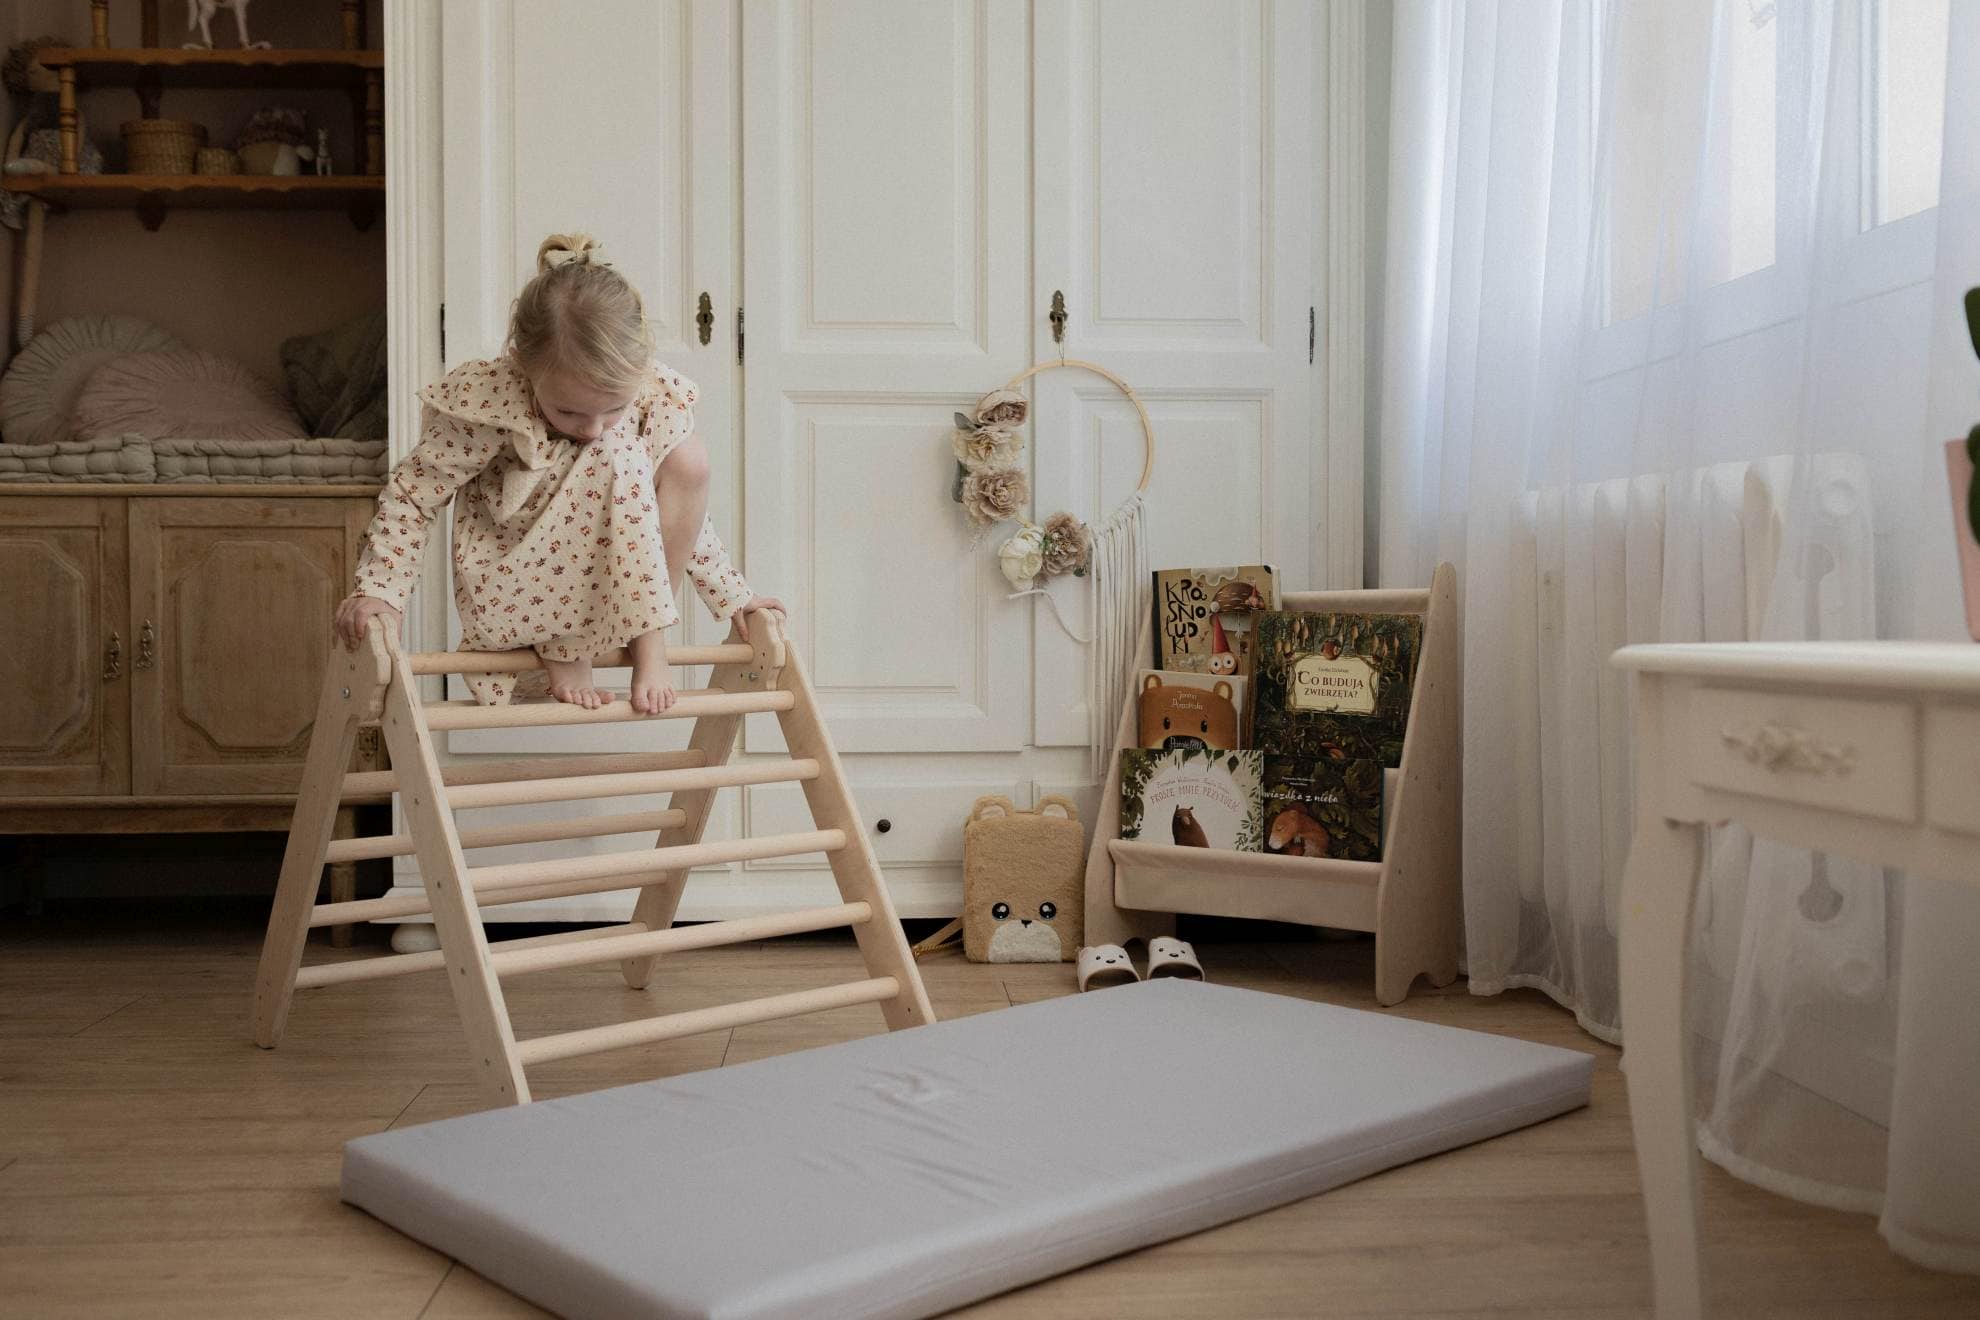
758 675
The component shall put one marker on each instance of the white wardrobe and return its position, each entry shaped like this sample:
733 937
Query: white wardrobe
850 219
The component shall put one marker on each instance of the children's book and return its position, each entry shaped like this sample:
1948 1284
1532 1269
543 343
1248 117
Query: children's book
1204 616
1190 710
1195 798
1334 685
1324 807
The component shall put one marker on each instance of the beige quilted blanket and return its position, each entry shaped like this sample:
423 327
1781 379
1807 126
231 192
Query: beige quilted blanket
106 459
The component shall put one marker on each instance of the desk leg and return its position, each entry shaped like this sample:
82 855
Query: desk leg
1657 893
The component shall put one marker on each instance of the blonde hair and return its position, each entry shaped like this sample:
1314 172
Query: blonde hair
580 316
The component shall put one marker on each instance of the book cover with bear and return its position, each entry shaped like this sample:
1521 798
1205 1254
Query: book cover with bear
1190 710
1334 685
1204 617
1322 807
1192 797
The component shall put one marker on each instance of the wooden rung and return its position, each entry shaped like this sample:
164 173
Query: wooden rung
366 783
404 964
592 1040
634 785
543 714
497 836
517 662
525 882
708 935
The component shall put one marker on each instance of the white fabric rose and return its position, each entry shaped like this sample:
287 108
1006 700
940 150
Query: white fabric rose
1023 556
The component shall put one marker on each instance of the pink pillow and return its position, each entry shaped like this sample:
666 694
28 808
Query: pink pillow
186 394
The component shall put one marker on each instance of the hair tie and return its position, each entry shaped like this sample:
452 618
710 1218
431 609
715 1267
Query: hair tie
592 256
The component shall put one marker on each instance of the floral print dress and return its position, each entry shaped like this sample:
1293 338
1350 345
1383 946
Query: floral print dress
556 543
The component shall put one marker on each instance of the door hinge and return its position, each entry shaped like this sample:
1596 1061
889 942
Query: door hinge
443 334
739 334
1310 329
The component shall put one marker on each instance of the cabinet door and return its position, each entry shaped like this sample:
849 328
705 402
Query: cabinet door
1175 207
230 603
65 663
885 241
620 123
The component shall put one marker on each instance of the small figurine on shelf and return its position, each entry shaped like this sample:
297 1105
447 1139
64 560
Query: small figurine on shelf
323 151
199 14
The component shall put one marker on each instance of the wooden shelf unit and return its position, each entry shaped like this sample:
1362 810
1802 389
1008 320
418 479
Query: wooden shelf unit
1410 899
151 195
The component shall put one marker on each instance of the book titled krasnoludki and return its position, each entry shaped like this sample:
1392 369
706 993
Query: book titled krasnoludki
1204 616
1333 685
1192 797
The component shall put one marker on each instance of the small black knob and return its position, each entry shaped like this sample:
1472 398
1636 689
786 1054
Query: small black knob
884 825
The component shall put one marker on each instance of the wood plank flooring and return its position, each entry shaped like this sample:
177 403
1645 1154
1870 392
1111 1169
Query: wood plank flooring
154 1163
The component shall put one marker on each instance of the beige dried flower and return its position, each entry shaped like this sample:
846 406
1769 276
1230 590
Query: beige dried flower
990 448
1001 410
990 495
1068 545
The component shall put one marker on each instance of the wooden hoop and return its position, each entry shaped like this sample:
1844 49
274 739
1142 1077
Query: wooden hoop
1147 427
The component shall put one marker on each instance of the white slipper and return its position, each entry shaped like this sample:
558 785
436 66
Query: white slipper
1169 956
1102 965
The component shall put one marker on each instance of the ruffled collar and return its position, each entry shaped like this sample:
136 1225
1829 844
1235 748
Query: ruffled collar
496 393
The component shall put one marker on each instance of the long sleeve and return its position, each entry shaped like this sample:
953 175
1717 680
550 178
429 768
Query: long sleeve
721 584
449 455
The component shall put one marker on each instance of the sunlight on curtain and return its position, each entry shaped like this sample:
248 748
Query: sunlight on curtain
1671 337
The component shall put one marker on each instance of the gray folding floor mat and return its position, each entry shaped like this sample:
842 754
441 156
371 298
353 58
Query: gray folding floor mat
911 1172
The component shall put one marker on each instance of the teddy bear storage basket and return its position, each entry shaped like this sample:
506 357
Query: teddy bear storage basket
1023 877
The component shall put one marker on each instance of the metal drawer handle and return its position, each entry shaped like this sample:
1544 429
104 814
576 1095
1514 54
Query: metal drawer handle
113 657
145 639
1784 747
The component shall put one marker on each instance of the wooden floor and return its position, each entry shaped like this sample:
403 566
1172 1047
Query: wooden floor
154 1163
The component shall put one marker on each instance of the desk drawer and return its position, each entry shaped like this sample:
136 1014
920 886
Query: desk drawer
1952 751
1854 756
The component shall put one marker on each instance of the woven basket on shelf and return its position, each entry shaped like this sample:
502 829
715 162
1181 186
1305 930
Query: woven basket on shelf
162 146
217 160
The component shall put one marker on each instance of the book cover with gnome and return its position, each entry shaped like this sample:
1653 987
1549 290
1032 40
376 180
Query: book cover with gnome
1203 617
1192 797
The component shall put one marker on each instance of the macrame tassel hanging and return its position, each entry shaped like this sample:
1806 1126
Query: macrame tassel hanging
1120 579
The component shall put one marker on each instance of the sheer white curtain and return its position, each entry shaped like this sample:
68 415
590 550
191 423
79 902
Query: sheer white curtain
1672 337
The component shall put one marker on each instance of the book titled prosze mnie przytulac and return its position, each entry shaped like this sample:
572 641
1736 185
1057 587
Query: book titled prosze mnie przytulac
1192 797
1333 685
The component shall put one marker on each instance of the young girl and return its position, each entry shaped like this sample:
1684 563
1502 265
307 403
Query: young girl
581 485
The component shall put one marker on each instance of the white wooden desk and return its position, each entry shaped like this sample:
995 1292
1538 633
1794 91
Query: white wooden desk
1871 749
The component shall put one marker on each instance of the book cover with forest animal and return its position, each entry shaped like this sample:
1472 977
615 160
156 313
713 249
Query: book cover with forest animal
1322 807
1204 617
1190 710
1334 685
1193 797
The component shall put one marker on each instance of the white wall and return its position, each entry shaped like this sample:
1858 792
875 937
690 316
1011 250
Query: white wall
1380 33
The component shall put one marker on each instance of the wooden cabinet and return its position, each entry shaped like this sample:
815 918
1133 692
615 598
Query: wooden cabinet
163 652
65 660
231 602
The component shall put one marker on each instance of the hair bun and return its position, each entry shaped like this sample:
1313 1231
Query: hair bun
567 249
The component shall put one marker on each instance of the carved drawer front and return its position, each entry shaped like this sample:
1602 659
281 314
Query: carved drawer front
1855 756
1952 750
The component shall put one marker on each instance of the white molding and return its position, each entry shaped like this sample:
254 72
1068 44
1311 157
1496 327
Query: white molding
1339 549
413 234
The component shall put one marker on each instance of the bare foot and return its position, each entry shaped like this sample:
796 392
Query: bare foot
570 681
652 692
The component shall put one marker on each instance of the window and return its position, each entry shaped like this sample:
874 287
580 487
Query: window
1904 106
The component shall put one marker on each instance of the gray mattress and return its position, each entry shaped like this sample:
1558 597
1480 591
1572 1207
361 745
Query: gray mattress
907 1173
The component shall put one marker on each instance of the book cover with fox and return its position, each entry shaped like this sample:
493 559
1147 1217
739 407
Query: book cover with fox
1324 807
